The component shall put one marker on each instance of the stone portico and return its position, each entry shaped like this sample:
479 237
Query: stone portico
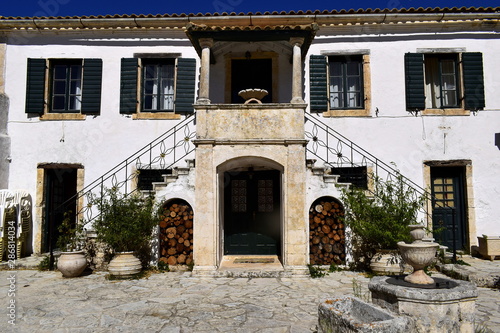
250 137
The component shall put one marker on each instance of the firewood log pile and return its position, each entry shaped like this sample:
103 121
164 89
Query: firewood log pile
176 234
326 233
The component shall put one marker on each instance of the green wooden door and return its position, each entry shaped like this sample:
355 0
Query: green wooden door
252 212
448 206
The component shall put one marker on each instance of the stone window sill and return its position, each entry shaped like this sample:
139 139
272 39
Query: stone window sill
156 115
63 116
446 112
347 113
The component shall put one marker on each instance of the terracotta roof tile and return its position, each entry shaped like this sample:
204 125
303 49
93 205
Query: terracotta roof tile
360 11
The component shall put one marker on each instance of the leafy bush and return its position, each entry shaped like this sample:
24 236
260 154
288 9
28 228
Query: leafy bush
72 233
379 220
125 222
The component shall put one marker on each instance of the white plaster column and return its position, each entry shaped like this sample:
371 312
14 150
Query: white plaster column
206 44
297 71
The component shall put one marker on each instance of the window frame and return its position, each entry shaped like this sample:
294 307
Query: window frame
469 82
67 63
344 60
364 111
157 62
40 87
440 57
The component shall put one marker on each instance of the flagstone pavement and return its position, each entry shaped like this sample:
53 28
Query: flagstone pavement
179 302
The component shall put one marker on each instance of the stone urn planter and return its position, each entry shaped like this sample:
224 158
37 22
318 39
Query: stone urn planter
489 246
387 262
419 255
72 264
124 264
253 95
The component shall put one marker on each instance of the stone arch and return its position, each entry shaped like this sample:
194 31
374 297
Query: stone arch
176 233
250 206
327 240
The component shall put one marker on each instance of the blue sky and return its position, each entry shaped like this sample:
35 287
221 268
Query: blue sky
103 7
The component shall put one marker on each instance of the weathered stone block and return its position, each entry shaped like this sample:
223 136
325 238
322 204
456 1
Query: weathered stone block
350 314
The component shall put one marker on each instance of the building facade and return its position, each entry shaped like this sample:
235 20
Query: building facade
152 103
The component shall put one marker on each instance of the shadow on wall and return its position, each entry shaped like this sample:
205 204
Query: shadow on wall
4 142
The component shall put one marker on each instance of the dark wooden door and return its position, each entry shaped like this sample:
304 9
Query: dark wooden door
448 206
60 188
252 212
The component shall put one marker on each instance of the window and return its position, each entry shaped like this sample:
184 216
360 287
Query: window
346 82
356 176
66 86
451 82
340 84
441 81
157 87
147 177
74 88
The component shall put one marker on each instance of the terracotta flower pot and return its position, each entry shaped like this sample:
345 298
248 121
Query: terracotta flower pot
124 264
72 264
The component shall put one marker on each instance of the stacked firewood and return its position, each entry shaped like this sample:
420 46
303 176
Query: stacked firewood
176 234
326 233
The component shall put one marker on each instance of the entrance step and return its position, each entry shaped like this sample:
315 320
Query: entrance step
251 266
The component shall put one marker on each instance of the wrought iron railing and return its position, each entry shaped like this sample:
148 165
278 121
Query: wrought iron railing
336 151
162 153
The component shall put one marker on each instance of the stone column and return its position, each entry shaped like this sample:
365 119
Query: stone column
297 71
206 44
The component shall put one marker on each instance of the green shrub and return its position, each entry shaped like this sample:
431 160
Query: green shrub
379 220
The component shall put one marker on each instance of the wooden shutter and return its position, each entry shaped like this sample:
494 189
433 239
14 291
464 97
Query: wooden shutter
128 85
318 89
185 85
92 83
35 86
473 80
414 81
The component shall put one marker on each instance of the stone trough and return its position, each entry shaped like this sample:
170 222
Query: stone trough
350 314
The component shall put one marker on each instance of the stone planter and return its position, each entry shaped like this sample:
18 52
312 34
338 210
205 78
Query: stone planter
72 264
124 264
350 314
489 246
387 263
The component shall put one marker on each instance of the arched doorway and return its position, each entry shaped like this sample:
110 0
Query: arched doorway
176 233
326 232
251 199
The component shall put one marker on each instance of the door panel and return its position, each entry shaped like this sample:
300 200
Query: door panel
252 213
448 206
60 186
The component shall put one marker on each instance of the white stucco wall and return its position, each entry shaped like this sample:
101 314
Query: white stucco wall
396 136
99 143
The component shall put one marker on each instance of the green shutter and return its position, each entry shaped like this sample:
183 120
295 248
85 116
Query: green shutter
92 83
318 89
414 81
35 86
185 85
473 80
128 85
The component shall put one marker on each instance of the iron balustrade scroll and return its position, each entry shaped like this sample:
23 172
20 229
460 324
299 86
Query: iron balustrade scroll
162 153
336 151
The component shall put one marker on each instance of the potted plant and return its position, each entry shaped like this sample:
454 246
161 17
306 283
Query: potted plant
125 223
378 220
72 261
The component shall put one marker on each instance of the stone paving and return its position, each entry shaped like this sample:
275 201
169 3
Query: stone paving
179 302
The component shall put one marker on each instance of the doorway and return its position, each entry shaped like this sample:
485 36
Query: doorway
252 212
60 202
251 74
449 216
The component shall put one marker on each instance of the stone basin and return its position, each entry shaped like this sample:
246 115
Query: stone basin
350 314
